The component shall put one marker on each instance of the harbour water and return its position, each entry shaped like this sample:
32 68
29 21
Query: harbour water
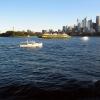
60 65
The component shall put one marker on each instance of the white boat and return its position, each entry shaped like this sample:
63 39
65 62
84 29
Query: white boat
31 44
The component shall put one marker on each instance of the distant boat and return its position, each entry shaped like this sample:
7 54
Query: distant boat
54 35
31 44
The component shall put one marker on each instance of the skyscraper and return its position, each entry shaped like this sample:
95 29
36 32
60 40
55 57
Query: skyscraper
90 26
98 23
98 20
85 24
78 25
64 29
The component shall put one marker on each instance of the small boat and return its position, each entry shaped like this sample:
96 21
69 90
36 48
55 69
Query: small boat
31 44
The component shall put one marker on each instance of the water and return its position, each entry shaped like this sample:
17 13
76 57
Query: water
59 64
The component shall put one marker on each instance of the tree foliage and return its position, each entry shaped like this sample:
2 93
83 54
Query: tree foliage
17 33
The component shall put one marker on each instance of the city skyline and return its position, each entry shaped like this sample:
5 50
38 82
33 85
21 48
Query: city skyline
45 14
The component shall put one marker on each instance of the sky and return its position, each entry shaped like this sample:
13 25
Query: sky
45 14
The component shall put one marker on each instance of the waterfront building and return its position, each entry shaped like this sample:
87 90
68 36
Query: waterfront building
90 26
70 29
51 31
85 25
44 31
94 26
78 26
64 29
59 31
98 23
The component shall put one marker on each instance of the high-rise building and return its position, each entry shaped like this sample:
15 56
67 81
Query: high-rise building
98 23
64 29
44 31
51 31
90 26
59 31
78 26
85 24
98 20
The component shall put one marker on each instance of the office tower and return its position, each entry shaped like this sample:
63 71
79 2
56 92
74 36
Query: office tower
94 26
64 29
98 23
78 26
98 20
59 31
90 26
51 31
85 24
44 31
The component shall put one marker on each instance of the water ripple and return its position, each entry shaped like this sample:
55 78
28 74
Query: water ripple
56 64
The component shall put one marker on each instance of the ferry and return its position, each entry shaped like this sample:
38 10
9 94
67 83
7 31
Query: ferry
54 35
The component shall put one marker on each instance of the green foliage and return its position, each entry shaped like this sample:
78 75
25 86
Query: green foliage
18 33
